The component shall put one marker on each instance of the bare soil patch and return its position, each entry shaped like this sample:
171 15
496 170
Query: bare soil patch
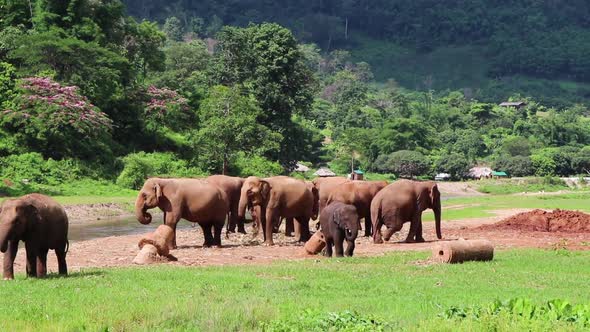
457 189
83 213
546 221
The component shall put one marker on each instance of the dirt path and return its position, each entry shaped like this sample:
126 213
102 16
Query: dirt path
243 250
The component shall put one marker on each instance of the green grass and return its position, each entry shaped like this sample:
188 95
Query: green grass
79 192
482 206
392 288
512 186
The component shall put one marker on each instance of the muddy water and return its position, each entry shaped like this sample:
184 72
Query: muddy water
115 227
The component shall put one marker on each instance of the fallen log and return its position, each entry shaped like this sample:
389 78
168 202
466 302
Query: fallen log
315 244
154 247
463 250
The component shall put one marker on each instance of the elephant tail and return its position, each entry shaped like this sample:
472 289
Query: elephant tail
67 246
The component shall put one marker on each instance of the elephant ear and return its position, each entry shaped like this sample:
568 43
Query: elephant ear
31 213
158 190
337 217
434 195
265 188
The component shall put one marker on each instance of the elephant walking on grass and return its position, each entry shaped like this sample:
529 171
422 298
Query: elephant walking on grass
42 224
191 199
404 201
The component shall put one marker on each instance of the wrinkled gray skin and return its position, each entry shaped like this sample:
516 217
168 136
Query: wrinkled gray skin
339 222
42 224
403 201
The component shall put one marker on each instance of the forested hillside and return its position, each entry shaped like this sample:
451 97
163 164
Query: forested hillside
89 92
507 46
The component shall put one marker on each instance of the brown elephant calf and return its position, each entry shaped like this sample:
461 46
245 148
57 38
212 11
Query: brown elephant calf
42 224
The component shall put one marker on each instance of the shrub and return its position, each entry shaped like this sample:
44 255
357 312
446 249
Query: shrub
139 166
515 166
32 168
454 164
404 163
331 321
254 166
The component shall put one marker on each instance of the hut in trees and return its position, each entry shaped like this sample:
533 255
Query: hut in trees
324 172
515 104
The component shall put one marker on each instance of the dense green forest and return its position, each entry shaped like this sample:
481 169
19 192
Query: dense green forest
92 90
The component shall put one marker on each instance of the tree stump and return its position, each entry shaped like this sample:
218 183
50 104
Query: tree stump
316 243
463 250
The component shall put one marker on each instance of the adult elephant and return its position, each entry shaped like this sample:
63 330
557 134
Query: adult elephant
290 226
360 194
325 186
276 197
192 199
42 224
232 187
404 201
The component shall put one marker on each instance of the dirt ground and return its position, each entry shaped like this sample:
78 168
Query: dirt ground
242 249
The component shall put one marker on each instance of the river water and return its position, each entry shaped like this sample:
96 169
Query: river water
115 227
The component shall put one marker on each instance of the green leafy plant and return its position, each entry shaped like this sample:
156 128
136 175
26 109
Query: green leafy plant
350 321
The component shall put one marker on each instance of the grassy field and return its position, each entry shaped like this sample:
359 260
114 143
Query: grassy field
482 206
393 289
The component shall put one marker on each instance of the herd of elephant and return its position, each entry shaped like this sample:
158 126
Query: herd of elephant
42 223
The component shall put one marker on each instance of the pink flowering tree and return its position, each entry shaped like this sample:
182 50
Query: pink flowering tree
166 108
55 120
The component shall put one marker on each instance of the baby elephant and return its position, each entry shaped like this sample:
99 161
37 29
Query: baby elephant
339 221
42 224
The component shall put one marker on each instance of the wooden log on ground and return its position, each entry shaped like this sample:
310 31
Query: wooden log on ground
154 247
316 243
463 250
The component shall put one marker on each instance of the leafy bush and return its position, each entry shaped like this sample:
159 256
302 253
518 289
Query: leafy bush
32 168
404 163
515 166
254 166
141 165
554 310
314 321
455 164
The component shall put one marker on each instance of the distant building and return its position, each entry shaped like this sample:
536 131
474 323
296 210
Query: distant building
515 104
324 172
480 173
357 175
499 174
301 168
442 177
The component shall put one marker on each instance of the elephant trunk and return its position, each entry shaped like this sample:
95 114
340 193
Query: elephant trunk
437 211
242 204
4 237
141 212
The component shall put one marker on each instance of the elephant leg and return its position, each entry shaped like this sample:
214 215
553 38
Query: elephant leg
61 260
413 230
303 223
419 237
276 225
349 248
31 259
42 262
289 227
171 219
207 235
271 218
217 228
231 222
329 243
238 220
368 226
377 238
9 257
339 243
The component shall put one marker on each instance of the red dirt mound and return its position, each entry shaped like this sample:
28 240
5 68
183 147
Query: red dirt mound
543 221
